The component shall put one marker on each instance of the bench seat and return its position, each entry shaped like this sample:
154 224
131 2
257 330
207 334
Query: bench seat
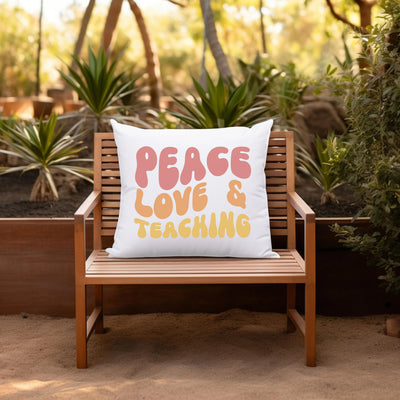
202 270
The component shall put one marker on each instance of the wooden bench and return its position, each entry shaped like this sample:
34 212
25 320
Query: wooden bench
291 269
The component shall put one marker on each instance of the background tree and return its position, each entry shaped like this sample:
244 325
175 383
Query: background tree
152 62
82 32
311 39
18 51
262 27
365 13
39 49
212 39
113 14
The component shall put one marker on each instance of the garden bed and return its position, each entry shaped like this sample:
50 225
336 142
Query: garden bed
15 190
37 269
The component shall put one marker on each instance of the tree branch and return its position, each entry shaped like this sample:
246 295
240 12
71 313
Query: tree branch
178 3
342 17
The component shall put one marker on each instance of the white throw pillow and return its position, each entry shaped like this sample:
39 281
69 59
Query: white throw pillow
192 192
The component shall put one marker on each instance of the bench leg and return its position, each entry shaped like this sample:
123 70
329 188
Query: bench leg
80 315
290 304
98 293
310 324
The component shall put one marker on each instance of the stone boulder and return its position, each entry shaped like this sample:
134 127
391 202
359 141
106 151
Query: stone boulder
317 117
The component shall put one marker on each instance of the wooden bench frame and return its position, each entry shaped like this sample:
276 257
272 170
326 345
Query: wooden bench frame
291 269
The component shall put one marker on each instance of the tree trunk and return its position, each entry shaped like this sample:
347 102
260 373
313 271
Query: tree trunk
111 22
365 14
39 49
365 21
262 28
152 62
82 32
364 6
212 38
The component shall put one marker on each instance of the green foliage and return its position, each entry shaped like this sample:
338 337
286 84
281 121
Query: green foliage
329 153
372 164
17 51
134 91
41 146
97 84
104 91
287 91
260 72
282 87
221 105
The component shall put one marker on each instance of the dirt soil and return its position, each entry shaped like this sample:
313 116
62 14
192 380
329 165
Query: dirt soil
15 190
234 355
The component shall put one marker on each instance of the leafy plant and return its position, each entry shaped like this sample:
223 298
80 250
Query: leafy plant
99 85
329 152
260 72
281 87
372 164
287 91
221 105
41 146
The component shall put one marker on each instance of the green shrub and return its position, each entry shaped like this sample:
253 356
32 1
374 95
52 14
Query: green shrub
221 105
42 147
282 87
372 164
323 168
107 94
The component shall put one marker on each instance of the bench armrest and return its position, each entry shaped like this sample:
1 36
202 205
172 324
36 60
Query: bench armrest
301 207
80 217
308 216
87 206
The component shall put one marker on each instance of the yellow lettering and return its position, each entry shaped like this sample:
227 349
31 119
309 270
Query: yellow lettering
212 230
183 230
199 225
170 230
243 225
155 230
226 225
142 229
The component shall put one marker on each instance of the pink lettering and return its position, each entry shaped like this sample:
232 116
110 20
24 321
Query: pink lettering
217 166
168 176
240 168
146 159
192 166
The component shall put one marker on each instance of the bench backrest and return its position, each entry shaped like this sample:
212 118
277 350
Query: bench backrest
279 170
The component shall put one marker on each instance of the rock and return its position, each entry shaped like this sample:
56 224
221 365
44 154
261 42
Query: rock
318 117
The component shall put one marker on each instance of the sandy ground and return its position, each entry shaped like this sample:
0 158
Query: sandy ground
232 355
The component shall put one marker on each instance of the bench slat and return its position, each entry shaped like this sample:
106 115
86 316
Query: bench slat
99 264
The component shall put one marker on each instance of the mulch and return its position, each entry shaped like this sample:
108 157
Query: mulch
15 190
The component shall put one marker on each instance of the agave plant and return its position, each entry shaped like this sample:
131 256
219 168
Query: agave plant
329 152
99 85
41 146
221 105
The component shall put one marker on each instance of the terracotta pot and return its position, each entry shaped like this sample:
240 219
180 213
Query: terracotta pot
42 106
20 106
73 105
393 327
